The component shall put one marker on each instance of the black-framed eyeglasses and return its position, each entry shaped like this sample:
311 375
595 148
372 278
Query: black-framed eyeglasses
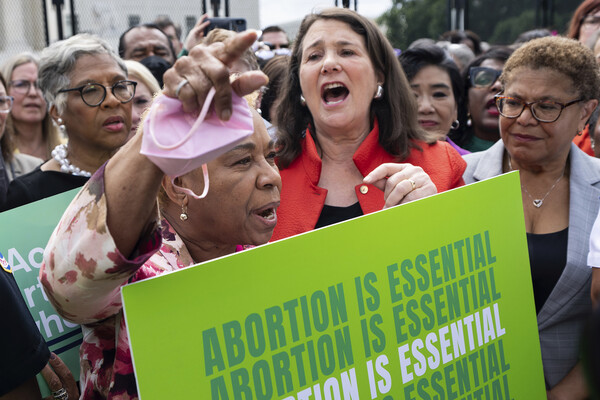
483 77
542 110
93 94
6 103
22 86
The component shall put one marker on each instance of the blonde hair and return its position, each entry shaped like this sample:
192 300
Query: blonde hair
50 132
143 75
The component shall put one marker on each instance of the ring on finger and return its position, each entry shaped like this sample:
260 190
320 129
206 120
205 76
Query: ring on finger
412 183
60 394
180 86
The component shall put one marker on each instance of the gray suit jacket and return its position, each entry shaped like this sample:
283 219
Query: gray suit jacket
564 314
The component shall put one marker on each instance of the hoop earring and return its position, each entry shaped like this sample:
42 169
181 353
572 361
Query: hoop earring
455 125
302 100
184 215
379 93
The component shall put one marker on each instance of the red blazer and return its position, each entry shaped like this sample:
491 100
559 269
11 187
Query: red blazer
302 200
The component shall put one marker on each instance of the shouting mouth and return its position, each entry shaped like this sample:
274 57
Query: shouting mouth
268 214
334 93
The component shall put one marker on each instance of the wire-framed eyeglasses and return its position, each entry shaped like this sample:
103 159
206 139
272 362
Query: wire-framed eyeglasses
22 86
542 110
6 103
93 94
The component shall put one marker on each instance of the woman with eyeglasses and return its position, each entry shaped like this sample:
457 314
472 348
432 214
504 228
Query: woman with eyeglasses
549 89
15 163
477 114
86 85
585 21
29 129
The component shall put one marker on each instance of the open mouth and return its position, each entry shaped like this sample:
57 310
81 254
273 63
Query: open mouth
269 213
491 108
334 93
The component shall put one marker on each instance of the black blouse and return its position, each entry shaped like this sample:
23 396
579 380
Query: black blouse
331 214
547 258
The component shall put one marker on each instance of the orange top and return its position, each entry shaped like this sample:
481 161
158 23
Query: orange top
302 200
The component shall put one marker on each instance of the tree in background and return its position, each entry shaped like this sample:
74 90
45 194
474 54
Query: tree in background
497 22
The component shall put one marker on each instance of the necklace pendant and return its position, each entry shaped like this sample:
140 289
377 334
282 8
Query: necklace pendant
538 203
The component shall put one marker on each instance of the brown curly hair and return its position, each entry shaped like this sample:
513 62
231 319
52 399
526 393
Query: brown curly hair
563 55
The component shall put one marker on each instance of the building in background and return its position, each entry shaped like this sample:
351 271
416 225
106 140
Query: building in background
26 25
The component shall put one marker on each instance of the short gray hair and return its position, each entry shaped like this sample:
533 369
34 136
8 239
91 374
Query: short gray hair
58 61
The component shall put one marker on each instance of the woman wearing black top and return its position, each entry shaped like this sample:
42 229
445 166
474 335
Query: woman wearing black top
86 85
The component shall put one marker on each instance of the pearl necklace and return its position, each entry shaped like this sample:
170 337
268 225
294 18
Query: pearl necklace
539 202
60 154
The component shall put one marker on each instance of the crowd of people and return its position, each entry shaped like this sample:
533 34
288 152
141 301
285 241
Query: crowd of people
343 126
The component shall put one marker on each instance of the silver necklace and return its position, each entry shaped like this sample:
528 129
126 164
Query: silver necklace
60 154
538 202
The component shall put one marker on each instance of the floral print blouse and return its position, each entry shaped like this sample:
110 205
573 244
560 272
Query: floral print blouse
83 273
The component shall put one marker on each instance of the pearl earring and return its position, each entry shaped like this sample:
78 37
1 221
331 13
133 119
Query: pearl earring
184 215
61 126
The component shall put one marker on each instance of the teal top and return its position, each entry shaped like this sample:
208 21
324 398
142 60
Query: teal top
475 144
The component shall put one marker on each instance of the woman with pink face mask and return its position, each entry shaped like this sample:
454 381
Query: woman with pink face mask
117 224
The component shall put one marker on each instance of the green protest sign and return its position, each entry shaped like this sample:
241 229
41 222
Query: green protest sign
429 300
22 242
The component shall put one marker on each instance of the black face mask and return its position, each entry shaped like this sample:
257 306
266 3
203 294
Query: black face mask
158 66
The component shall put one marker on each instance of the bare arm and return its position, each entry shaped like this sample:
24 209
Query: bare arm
131 180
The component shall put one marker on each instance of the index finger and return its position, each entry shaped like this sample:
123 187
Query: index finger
236 46
378 176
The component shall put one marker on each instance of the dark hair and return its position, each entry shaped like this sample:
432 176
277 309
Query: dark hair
463 133
163 21
532 34
276 69
459 36
396 111
149 26
271 29
584 9
416 58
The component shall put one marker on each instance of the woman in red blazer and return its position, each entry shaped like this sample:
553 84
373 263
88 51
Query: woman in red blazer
349 139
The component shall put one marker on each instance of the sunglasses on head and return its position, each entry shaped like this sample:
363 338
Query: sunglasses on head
483 77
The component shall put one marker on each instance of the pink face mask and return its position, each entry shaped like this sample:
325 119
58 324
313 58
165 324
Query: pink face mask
178 143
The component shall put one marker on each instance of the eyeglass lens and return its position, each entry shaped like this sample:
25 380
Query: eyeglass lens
592 20
5 104
483 77
23 86
544 111
94 93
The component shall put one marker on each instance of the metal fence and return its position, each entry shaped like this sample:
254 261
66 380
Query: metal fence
29 25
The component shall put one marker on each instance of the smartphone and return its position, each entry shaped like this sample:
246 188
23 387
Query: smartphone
232 24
